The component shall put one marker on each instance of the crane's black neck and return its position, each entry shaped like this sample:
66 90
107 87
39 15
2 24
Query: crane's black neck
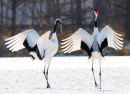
96 23
55 27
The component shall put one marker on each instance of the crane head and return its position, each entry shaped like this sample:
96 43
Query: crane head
96 13
60 22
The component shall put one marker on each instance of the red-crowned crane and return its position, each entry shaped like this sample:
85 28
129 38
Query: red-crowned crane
40 48
94 44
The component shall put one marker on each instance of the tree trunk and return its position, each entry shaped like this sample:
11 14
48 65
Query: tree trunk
7 13
41 16
58 8
72 14
33 5
127 19
78 13
13 16
48 12
1 16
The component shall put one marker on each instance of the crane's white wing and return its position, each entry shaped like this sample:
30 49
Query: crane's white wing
15 43
79 40
108 37
43 43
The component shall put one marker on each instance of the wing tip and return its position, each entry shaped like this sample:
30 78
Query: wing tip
80 29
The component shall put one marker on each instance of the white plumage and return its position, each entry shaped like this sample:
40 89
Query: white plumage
94 44
73 43
15 43
38 47
113 38
43 43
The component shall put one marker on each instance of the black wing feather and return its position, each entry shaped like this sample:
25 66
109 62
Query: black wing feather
35 49
38 54
103 45
25 43
86 48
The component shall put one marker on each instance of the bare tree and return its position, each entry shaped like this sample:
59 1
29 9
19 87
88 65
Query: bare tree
7 13
79 14
14 5
127 19
1 14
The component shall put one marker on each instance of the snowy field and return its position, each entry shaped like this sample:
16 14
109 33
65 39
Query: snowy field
67 75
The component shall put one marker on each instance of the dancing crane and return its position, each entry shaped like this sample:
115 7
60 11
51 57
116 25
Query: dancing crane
94 44
40 48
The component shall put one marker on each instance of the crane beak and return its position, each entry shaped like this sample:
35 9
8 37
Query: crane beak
61 27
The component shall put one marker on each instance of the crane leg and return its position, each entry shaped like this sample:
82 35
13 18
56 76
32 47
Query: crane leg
94 77
100 71
47 61
45 72
100 77
48 86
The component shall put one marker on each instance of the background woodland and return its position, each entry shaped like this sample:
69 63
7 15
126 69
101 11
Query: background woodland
19 15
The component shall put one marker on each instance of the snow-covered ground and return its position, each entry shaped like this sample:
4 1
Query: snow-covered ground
67 75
